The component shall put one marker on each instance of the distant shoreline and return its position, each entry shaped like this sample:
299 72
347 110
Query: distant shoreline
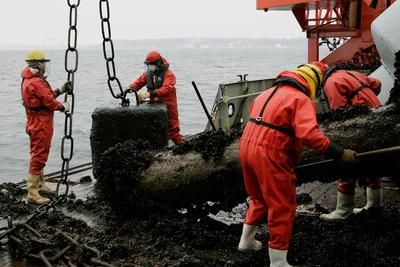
179 43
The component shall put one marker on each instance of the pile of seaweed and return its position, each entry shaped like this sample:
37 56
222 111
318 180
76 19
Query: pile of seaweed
120 172
190 237
211 145
10 204
119 167
343 113
369 68
365 239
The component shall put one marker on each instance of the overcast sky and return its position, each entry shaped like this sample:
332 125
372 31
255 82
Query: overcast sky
45 22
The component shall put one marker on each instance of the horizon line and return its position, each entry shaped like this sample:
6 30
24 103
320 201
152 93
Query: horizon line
56 44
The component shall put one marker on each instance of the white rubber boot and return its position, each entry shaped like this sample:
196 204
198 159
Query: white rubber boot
32 184
374 199
277 258
247 240
43 187
344 208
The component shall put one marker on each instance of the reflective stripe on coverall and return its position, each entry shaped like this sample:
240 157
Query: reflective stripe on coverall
166 94
339 88
40 103
268 157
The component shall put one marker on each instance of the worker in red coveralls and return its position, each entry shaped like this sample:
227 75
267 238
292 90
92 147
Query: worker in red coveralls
40 103
160 82
350 88
282 120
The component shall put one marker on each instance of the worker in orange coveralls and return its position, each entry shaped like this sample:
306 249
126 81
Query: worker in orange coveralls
160 82
282 120
40 103
350 88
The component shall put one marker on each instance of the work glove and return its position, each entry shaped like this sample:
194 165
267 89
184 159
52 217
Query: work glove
348 156
142 96
66 108
65 88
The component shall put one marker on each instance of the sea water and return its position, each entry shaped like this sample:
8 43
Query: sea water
207 67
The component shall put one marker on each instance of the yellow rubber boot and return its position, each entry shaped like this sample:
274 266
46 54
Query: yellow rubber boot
43 187
34 197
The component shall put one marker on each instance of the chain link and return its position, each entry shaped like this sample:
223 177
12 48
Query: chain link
44 209
71 66
108 51
16 235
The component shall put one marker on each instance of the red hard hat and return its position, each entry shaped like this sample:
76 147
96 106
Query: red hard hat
152 56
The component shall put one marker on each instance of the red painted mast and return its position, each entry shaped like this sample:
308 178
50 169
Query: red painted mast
332 22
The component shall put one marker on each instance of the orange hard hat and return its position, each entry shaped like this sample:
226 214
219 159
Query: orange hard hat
152 56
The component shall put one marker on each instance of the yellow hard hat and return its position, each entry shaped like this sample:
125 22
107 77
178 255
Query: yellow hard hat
313 75
36 55
312 71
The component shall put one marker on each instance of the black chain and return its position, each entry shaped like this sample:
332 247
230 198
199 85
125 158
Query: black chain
15 235
43 209
71 66
108 51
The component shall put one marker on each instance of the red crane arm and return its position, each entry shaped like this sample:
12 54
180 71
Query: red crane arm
339 19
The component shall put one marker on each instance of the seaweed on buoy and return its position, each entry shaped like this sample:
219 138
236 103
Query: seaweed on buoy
119 167
211 145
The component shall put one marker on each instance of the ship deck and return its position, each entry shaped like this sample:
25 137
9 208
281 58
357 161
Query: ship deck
323 194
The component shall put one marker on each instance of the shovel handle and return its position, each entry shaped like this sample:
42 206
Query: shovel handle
358 156
377 152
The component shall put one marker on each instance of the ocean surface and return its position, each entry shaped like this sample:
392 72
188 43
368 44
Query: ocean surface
207 67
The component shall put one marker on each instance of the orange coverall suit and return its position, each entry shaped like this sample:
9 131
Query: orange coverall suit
165 93
40 104
268 155
350 88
